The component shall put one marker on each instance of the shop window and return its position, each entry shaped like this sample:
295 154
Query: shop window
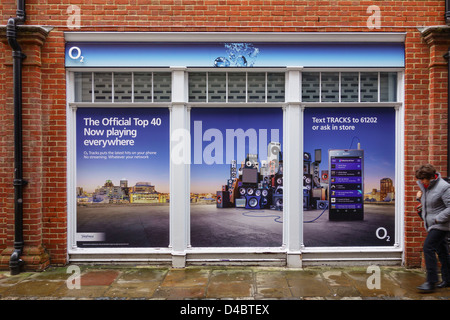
388 86
257 87
83 86
102 87
310 86
197 86
217 91
236 87
330 86
123 87
349 87
239 87
369 86
162 87
275 87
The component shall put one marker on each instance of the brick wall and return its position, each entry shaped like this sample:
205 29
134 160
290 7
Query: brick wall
45 153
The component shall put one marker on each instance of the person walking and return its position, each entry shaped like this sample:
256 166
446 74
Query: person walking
434 196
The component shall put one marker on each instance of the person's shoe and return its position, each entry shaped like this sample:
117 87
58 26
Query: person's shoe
443 284
426 287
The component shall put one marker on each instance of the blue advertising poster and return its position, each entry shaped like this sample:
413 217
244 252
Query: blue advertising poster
122 177
236 177
349 176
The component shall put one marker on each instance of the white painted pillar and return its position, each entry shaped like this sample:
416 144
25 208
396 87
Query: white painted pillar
179 168
293 168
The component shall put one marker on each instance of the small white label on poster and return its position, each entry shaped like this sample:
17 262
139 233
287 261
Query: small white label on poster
90 236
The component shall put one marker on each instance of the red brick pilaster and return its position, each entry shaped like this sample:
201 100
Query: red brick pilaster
432 125
31 40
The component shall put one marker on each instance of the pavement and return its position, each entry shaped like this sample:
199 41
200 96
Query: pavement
239 283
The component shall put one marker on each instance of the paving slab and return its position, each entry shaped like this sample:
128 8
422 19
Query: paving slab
186 277
230 283
306 283
272 285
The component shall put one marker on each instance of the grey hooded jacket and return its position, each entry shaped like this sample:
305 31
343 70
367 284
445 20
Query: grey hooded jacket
436 204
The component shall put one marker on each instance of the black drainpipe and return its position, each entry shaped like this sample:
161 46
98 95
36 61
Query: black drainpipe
15 263
447 56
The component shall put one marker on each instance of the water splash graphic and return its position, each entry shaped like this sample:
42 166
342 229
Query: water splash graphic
239 55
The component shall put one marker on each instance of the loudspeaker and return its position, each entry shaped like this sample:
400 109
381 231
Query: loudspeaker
232 190
318 155
266 197
324 176
249 175
277 180
264 170
252 202
233 173
277 201
251 161
322 204
266 182
273 157
223 199
306 199
308 181
306 157
250 191
316 174
273 151
307 190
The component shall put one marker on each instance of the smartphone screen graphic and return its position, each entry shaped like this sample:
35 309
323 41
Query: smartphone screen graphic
346 184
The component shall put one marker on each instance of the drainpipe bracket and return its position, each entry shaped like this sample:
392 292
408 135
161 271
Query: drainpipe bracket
20 182
19 54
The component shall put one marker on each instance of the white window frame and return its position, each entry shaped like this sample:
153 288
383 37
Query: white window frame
292 252
340 254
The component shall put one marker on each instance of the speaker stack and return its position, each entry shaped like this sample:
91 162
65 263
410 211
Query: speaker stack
223 199
307 190
252 186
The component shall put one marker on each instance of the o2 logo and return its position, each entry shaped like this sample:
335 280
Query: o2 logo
382 234
75 54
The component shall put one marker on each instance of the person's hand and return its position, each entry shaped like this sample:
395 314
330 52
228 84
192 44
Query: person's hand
419 195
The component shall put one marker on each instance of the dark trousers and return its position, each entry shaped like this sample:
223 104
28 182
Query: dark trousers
436 243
